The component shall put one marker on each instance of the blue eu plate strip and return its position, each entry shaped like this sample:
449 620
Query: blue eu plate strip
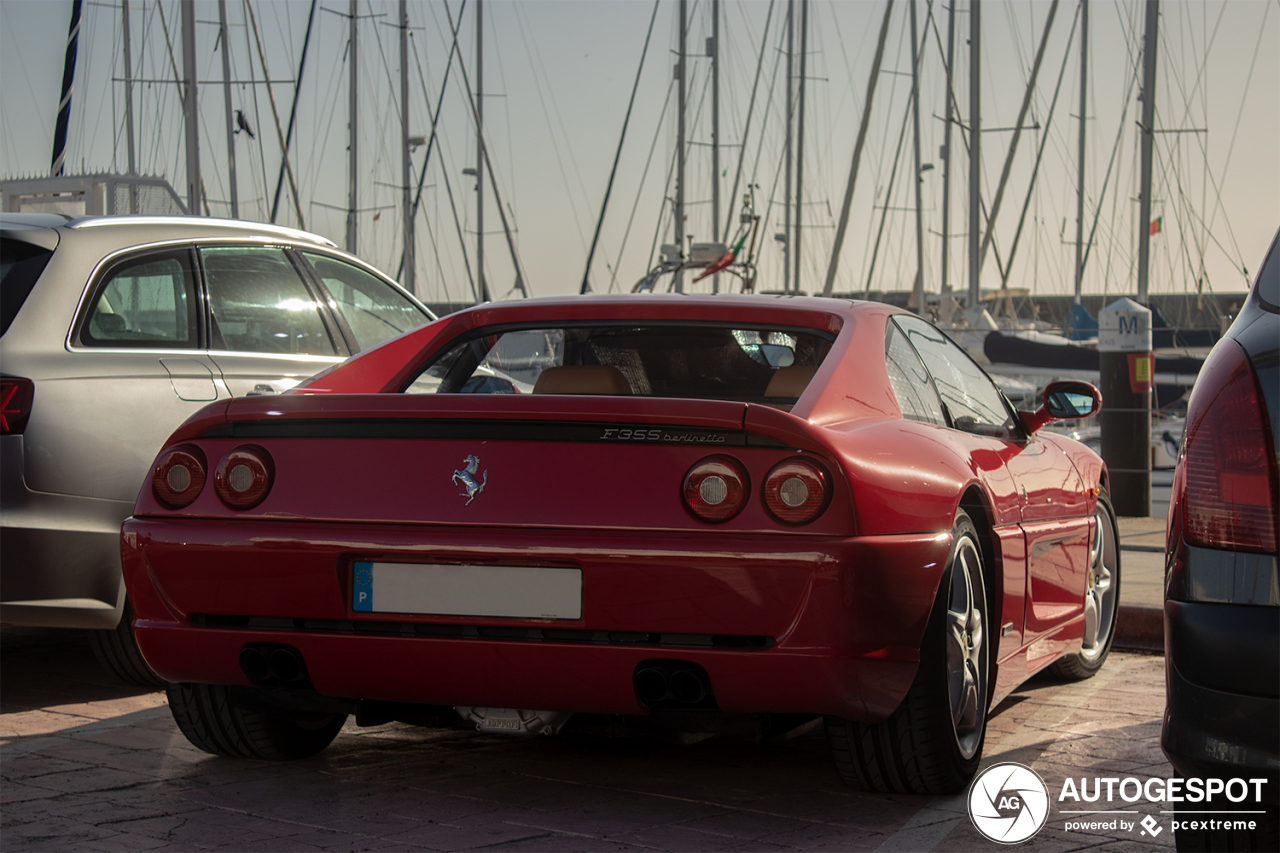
362 588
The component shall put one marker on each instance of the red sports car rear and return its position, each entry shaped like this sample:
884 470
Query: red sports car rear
709 514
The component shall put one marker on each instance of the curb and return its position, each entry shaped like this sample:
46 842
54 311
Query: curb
1140 628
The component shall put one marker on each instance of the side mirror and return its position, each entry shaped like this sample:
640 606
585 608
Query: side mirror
1063 400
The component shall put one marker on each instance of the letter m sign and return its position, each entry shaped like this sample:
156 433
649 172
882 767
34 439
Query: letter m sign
1130 325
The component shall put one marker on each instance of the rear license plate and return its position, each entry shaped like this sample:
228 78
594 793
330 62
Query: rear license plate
518 592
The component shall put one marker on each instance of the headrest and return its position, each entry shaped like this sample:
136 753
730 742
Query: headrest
582 379
789 381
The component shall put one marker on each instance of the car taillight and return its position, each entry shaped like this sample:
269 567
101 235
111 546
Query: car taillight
716 489
1229 463
244 476
15 404
179 476
797 491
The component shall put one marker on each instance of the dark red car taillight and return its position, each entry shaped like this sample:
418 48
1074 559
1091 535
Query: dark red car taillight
797 491
179 476
716 489
1230 465
15 404
243 477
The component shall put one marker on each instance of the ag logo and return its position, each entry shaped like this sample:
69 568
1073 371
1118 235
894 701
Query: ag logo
1008 803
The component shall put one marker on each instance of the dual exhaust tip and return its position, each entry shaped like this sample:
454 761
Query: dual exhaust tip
273 663
658 683
673 684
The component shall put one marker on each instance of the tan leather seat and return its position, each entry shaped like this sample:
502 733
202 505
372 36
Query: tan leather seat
790 381
582 379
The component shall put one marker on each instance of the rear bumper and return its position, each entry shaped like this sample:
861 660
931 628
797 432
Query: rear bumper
1222 717
61 566
844 617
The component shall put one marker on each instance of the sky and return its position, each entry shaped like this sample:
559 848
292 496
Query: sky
557 79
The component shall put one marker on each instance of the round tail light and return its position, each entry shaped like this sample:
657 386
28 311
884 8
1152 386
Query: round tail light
797 491
179 476
244 477
716 489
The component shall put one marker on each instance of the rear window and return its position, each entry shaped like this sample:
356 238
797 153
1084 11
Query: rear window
20 265
703 361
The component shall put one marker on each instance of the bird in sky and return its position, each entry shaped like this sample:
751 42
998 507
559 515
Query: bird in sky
242 123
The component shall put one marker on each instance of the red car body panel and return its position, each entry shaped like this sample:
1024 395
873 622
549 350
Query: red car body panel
837 619
841 603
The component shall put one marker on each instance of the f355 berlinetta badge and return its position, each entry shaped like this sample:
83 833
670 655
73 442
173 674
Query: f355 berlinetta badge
467 478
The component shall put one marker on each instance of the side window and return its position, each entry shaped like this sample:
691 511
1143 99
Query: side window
259 303
144 302
374 310
911 385
970 397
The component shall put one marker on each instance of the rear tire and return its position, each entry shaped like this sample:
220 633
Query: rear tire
208 719
117 651
933 742
1101 599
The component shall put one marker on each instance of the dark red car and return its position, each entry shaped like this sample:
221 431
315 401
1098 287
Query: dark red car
712 514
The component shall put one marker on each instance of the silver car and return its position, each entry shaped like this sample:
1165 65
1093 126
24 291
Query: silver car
113 330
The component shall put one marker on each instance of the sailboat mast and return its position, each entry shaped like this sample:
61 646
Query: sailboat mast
128 90
838 243
1079 186
804 49
191 106
64 103
975 149
681 66
1148 134
226 103
128 103
353 112
293 118
946 153
479 99
714 53
1084 79
786 201
915 129
406 192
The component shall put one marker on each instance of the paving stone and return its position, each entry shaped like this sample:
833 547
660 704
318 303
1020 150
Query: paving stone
466 834
99 768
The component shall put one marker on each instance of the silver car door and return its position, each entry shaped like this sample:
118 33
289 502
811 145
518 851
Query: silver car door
372 308
134 371
268 331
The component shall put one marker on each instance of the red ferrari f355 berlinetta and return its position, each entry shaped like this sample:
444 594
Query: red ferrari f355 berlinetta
710 514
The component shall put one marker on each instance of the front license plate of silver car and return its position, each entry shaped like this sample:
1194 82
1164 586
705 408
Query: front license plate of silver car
516 592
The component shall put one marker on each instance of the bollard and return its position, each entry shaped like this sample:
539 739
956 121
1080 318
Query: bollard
1125 363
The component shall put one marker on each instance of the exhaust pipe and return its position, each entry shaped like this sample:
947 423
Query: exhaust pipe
651 685
688 687
286 664
672 684
253 663
267 662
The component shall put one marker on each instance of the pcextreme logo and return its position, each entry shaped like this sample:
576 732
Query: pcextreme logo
1008 803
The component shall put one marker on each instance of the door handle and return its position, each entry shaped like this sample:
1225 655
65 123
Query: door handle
261 390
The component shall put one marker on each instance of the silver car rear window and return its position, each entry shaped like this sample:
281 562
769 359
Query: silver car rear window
20 266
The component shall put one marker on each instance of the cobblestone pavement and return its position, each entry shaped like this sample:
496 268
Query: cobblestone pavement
87 765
